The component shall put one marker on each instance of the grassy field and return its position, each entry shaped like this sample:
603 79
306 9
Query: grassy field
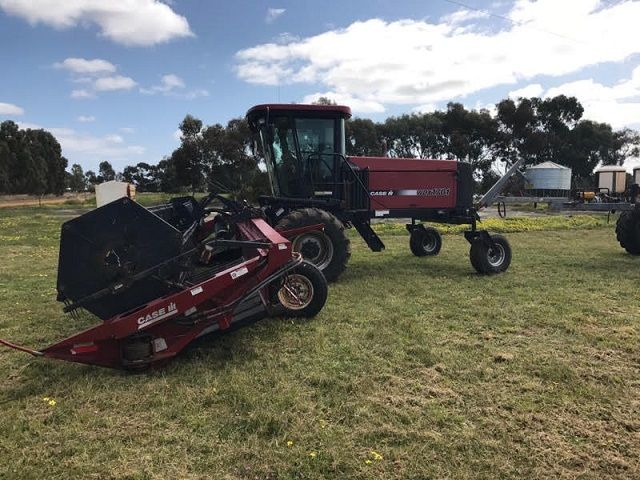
415 369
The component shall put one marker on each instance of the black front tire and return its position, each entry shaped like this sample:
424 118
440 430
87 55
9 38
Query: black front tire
303 291
628 232
487 259
329 249
425 241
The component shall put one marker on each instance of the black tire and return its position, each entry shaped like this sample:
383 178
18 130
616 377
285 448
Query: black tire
136 353
487 260
425 241
303 291
628 232
329 250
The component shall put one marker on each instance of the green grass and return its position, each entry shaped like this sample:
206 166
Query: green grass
510 225
444 373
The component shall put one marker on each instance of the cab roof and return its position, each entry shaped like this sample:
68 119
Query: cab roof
297 107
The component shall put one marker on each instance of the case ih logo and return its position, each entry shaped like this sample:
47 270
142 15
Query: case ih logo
157 315
424 192
381 193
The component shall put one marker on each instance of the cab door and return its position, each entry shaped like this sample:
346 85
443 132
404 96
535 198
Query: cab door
317 143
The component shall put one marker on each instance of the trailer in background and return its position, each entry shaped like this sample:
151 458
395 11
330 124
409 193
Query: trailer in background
612 195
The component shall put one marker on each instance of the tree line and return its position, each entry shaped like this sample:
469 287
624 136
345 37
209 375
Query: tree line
533 129
224 157
214 157
31 161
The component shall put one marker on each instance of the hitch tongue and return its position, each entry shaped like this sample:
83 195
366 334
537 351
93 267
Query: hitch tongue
35 353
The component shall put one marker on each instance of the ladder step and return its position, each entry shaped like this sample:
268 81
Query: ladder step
369 236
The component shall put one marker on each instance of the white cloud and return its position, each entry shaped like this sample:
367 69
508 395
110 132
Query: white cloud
426 108
167 84
263 73
29 125
172 85
84 147
130 22
127 130
463 16
114 138
106 147
618 104
532 90
416 62
10 109
274 13
117 82
286 37
490 107
193 94
95 66
356 104
86 118
97 75
82 94
172 81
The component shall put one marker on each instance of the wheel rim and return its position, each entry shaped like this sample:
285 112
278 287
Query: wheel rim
429 243
315 247
496 255
296 293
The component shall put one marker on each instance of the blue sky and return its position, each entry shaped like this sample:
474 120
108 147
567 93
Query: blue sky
112 80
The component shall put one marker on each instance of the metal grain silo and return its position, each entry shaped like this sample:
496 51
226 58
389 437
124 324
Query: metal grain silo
548 179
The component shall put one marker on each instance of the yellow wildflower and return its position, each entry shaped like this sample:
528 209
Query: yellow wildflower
367 461
46 399
52 402
312 454
289 443
376 455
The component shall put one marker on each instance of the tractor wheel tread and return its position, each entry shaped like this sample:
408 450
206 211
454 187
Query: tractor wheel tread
628 232
333 228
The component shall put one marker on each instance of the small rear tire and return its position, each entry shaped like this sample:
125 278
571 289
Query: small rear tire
628 232
303 291
487 259
425 241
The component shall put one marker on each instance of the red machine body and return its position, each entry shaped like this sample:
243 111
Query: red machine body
314 180
172 322
251 272
403 183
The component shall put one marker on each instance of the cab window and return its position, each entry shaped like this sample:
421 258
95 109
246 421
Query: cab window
287 165
317 138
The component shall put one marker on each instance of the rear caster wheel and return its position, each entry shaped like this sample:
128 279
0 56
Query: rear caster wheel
425 241
303 292
487 259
